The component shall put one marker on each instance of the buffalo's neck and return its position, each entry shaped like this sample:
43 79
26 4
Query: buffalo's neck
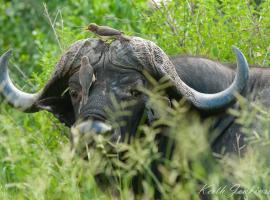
207 76
210 77
258 88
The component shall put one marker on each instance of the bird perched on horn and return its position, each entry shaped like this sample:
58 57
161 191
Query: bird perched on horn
106 33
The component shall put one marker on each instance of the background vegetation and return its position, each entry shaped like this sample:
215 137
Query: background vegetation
35 160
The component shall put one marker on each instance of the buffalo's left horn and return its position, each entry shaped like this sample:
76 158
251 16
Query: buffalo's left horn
158 63
15 97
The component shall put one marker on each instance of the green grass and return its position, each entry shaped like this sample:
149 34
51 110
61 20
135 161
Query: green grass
35 157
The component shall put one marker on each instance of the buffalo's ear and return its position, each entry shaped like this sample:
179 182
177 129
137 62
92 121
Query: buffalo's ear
60 107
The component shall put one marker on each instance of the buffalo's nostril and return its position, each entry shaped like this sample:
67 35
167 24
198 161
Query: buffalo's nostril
92 126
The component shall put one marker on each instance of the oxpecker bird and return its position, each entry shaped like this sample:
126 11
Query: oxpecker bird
106 33
86 78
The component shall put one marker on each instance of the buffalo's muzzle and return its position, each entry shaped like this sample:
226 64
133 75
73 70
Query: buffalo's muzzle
86 133
93 134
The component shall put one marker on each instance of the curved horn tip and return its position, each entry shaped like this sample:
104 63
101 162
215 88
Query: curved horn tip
4 58
235 47
237 50
240 56
7 54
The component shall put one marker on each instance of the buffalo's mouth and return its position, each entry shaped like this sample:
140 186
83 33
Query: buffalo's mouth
92 133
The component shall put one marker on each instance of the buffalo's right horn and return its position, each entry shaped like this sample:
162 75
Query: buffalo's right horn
14 96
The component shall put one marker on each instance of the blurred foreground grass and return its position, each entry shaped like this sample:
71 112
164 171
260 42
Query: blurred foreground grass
35 161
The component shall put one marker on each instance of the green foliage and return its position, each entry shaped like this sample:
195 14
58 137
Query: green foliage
35 157
211 27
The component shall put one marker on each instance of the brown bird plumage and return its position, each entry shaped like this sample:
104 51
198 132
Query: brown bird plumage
86 77
106 32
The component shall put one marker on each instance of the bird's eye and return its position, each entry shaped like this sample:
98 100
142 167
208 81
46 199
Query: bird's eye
135 93
73 94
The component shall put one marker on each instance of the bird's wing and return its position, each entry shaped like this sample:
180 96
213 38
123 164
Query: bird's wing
107 31
85 74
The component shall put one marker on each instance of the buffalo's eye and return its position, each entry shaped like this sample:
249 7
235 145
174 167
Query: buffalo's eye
74 94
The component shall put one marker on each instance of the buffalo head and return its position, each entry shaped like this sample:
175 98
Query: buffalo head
92 75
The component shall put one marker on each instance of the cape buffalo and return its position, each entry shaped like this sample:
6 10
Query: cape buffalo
91 71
